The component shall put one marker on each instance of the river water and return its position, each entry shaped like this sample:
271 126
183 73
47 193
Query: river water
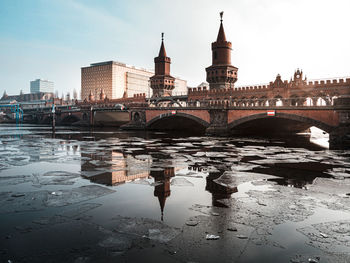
117 196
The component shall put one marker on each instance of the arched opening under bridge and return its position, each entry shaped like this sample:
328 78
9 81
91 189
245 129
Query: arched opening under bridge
178 122
261 124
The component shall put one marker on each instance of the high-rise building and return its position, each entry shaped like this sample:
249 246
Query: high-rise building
41 85
117 80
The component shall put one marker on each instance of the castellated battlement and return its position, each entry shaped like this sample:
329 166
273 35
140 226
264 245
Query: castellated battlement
140 95
291 85
162 59
223 44
329 82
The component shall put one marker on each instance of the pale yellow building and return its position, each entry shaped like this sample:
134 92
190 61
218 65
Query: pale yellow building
118 79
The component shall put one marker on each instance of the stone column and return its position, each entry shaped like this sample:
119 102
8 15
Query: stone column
218 123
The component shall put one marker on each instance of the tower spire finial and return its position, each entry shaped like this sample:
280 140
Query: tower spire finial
221 15
162 36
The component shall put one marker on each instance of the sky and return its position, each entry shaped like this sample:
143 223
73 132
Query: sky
53 39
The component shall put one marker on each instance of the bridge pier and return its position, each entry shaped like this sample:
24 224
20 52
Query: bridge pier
339 138
137 121
218 123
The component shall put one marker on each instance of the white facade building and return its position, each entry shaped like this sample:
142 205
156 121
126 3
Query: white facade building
119 80
41 85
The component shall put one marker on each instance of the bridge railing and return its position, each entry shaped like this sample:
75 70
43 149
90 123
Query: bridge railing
253 103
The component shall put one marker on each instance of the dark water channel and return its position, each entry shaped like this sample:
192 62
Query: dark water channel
116 196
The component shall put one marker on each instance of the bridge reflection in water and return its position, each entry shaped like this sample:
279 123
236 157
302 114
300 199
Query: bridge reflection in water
113 168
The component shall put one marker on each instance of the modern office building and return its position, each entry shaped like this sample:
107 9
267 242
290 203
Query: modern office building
41 85
119 80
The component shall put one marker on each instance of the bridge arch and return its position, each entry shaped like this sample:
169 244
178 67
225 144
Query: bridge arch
287 123
179 121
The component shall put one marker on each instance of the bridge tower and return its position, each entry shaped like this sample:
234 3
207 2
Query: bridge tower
221 74
162 83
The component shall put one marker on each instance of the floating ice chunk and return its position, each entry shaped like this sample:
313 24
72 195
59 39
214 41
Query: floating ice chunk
211 237
232 228
141 181
181 182
14 180
118 242
30 201
77 195
215 154
189 174
334 238
152 229
55 178
243 167
330 186
185 144
314 260
192 223
199 154
339 173
233 159
323 235
232 179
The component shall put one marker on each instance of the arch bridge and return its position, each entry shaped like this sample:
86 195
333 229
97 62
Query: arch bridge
225 118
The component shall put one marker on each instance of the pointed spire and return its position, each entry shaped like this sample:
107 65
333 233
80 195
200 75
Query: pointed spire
161 200
221 36
162 52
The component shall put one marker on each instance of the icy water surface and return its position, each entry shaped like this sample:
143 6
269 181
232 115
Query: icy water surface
116 196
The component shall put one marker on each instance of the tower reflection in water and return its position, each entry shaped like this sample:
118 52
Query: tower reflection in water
162 185
114 168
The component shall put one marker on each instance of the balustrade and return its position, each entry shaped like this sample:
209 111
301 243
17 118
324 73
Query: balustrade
252 102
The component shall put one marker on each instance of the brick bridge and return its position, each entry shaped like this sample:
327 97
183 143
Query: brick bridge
279 107
223 119
232 111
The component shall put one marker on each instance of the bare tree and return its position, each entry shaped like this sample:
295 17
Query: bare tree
75 94
4 95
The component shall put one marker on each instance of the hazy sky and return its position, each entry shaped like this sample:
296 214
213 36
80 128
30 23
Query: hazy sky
53 39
